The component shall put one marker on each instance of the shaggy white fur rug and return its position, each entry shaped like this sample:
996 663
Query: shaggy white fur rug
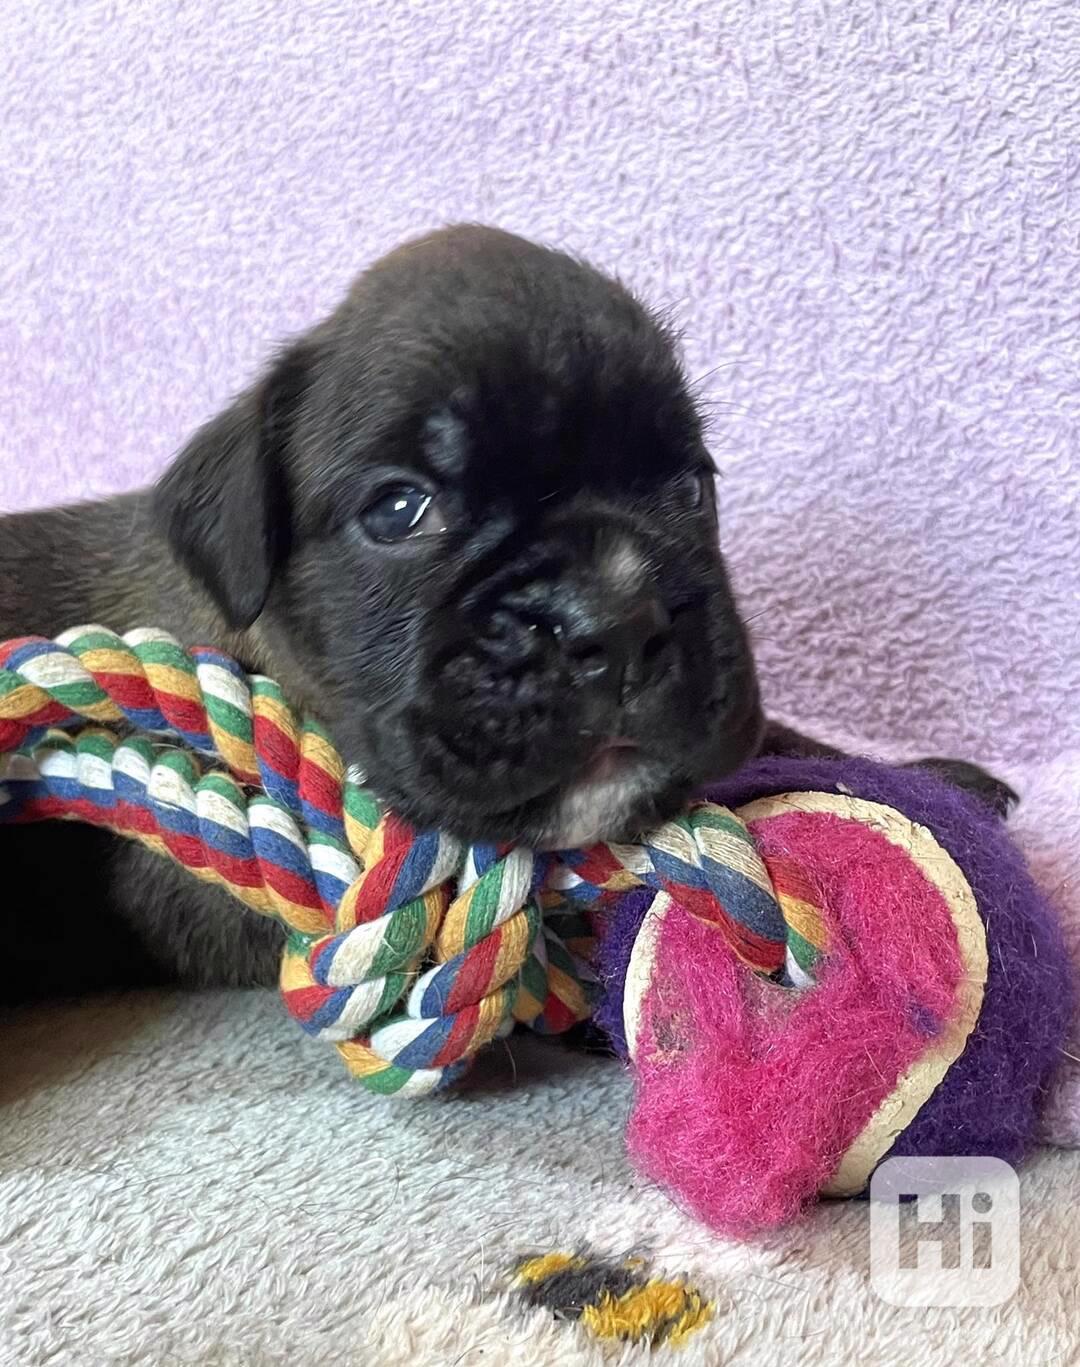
186 1179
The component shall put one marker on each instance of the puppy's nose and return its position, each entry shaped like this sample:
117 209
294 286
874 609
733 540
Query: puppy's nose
619 653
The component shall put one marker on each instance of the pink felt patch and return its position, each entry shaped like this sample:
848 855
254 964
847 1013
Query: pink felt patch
748 1093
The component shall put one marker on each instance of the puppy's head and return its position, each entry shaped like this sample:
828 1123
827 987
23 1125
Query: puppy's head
474 513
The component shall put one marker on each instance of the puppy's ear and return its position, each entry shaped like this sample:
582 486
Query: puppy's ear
223 505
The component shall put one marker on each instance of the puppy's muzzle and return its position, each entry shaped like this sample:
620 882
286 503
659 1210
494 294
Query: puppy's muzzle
617 650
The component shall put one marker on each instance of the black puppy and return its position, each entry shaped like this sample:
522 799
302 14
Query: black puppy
469 521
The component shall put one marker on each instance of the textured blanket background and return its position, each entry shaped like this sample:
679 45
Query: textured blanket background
188 1181
864 215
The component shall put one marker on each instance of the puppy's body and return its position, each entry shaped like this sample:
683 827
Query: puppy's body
469 522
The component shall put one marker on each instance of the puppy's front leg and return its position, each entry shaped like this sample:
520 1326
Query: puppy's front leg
783 740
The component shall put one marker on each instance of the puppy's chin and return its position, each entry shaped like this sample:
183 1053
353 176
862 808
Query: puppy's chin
598 809
618 792
612 800
623 792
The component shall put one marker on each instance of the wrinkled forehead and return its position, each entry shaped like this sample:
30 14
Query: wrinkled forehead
533 440
524 384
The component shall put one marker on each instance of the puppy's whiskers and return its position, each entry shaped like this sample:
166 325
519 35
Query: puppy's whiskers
715 370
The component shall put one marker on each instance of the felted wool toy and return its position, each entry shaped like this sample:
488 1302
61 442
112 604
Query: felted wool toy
861 967
818 965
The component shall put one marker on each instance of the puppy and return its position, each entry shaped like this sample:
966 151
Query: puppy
469 521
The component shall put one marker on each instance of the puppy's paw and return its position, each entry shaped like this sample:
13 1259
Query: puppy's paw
995 792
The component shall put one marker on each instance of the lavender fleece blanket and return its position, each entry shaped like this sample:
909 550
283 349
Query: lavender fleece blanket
863 216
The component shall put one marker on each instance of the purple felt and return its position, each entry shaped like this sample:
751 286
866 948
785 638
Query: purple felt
989 1101
614 956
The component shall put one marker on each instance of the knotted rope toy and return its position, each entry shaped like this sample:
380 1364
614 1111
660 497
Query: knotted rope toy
405 950
776 980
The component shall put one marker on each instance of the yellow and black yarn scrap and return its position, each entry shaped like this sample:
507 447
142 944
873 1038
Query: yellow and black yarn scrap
613 1300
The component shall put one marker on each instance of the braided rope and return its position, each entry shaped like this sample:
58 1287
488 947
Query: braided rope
406 950
366 901
765 906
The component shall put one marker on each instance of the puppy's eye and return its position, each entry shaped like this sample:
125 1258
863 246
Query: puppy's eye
400 513
694 488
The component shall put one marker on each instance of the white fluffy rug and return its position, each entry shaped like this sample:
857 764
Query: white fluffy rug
186 1179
